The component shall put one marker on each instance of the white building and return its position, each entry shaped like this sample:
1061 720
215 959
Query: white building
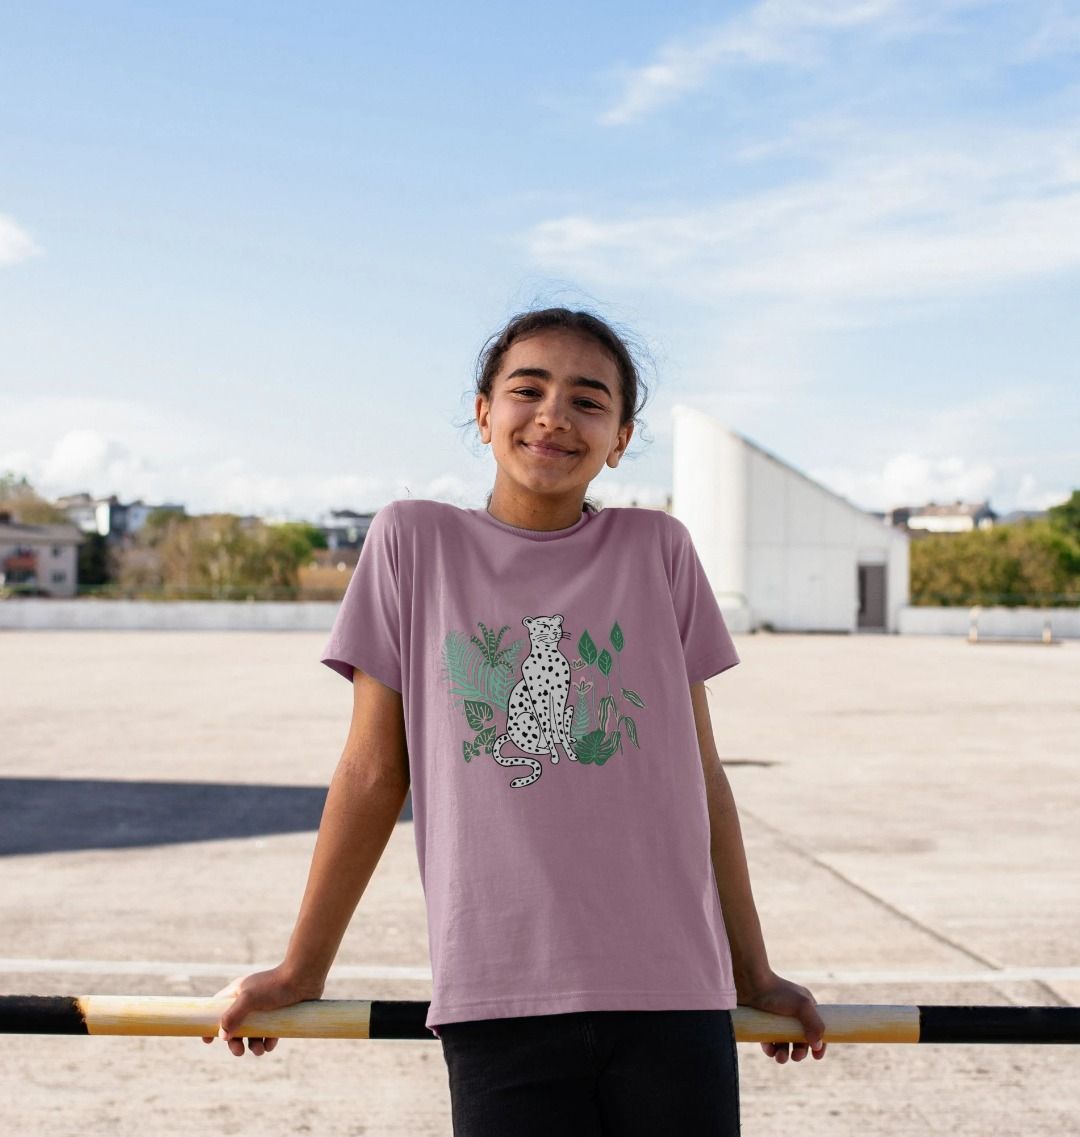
41 560
781 550
960 517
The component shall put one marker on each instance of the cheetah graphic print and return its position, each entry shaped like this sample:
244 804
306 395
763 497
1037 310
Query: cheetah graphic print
549 714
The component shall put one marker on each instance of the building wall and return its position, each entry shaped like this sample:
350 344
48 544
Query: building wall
57 564
779 548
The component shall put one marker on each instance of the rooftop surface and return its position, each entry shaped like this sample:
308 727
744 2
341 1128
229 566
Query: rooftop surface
908 806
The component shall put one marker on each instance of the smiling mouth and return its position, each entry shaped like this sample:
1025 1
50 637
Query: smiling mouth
546 451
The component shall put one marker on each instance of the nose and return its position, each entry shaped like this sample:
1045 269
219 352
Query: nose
551 412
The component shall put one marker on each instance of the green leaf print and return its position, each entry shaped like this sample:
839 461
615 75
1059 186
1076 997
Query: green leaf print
631 729
586 648
471 750
473 677
616 636
605 661
608 747
633 697
490 646
486 739
588 748
581 717
477 713
606 710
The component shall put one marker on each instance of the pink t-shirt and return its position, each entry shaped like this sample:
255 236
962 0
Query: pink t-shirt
561 821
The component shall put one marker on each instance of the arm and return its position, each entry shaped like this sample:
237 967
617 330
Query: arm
757 985
363 804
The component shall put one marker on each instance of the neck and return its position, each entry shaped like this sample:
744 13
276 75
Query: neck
543 516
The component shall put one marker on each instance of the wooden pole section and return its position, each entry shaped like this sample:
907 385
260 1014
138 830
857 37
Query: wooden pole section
377 1019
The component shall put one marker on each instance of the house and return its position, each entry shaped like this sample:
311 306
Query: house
38 559
781 550
108 516
960 517
344 528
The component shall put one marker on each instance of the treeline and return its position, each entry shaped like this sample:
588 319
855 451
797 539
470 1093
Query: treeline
216 556
1033 563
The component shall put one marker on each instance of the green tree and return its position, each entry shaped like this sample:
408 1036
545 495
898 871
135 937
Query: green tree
1033 563
19 498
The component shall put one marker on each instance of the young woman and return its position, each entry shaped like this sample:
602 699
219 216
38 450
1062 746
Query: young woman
534 672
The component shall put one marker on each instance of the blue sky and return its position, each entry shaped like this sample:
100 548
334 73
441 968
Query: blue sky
248 252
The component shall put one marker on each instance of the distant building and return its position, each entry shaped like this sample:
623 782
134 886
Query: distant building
39 559
960 517
781 550
108 516
344 528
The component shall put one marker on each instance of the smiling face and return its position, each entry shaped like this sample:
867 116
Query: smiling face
553 421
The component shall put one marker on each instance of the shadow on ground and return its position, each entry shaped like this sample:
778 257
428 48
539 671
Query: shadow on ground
59 815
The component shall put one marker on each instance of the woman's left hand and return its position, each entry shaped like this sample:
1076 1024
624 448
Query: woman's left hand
782 997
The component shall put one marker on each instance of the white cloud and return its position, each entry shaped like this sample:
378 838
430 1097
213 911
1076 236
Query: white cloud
105 446
15 244
1058 34
790 32
891 220
911 478
1030 495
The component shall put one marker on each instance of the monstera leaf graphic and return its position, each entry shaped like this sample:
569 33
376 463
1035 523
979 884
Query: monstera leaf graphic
588 748
477 713
608 747
586 648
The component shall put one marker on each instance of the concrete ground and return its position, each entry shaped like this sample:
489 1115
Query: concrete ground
909 808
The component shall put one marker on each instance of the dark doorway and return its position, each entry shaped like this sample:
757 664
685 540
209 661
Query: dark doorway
872 598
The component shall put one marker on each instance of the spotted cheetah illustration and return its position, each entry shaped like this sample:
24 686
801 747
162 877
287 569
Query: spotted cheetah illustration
538 717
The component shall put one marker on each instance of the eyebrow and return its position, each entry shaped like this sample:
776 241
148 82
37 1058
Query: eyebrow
541 373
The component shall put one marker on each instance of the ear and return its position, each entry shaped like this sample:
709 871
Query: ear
622 440
483 417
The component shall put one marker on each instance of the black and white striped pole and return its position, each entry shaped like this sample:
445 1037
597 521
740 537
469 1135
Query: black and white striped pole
364 1018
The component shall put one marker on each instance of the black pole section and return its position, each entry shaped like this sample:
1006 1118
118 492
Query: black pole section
41 1014
999 1024
391 1019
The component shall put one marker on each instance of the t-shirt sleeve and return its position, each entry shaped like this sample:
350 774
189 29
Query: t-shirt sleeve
366 633
707 645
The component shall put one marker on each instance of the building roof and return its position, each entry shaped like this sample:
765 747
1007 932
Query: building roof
40 534
784 464
957 509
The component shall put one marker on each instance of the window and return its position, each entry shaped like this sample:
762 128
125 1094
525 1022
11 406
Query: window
59 577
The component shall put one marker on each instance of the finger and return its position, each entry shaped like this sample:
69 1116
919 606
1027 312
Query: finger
769 1048
257 1047
232 1018
821 1053
813 1025
799 1051
781 1052
236 1046
270 1043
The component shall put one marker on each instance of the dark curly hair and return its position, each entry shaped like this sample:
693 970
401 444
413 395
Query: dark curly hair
584 323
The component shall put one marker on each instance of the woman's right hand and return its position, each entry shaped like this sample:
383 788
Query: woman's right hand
261 991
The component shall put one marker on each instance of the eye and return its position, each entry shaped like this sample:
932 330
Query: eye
588 404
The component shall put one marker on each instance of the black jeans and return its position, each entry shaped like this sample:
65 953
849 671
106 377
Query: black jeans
594 1074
